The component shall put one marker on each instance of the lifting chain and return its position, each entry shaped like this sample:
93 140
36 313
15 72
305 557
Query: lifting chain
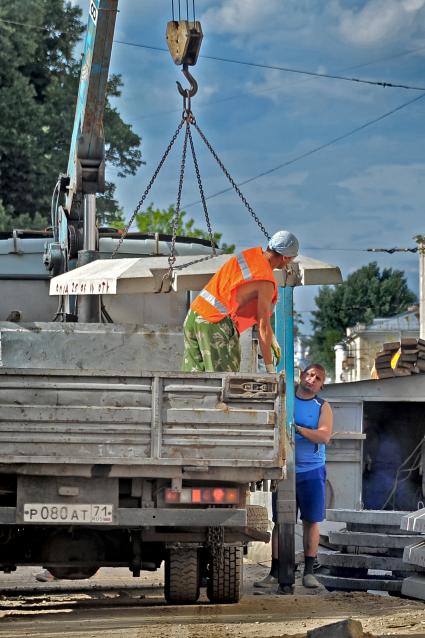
201 190
149 186
215 543
172 258
184 41
231 180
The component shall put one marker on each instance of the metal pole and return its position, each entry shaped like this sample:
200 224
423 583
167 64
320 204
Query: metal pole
286 498
89 222
279 327
89 305
421 251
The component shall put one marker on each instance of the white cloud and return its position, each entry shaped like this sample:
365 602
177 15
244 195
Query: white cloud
278 85
241 16
378 22
388 187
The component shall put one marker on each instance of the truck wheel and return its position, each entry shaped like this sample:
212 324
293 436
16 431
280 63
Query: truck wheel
181 576
257 517
225 576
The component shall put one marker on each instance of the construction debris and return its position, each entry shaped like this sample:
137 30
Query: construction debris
343 629
400 358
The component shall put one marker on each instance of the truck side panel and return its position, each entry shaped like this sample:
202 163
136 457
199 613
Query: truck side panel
212 419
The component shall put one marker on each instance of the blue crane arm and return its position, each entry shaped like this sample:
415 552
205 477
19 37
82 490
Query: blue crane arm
86 163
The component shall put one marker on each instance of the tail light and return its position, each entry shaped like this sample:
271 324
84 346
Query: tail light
203 496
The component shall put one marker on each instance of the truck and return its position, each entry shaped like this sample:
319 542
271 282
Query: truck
109 455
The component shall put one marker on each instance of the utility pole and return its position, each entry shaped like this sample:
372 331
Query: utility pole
420 239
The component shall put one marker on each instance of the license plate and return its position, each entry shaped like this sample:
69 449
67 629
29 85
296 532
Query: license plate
64 513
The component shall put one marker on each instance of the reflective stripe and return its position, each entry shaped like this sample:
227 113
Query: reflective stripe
213 301
246 273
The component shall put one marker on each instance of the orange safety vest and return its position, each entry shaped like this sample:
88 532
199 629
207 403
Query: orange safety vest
217 300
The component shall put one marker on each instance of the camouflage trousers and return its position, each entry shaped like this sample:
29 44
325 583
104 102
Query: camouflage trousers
210 347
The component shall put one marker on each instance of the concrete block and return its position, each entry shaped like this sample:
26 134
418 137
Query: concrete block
343 629
414 587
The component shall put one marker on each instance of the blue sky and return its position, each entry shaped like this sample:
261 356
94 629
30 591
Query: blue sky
364 191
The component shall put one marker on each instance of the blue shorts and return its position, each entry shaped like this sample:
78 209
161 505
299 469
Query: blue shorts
311 496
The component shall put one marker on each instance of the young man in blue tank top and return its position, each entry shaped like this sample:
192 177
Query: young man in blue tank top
313 430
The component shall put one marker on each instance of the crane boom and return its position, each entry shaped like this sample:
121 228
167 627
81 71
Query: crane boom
85 176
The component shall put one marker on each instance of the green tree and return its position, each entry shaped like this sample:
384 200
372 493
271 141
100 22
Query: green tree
367 293
39 78
154 220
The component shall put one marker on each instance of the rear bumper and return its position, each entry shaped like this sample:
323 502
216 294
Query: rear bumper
153 517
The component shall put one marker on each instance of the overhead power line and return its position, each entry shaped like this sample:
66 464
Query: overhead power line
353 250
392 250
287 69
312 151
28 26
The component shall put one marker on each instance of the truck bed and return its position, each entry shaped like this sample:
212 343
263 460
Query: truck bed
155 424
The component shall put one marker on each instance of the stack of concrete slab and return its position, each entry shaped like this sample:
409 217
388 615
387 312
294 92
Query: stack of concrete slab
401 358
414 585
368 553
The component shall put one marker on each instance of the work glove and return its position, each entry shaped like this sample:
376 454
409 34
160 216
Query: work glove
276 351
270 368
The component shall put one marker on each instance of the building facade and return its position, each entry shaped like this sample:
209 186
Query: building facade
355 355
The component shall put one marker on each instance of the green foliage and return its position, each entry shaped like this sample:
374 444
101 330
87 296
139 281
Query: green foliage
24 221
154 220
108 211
367 293
39 79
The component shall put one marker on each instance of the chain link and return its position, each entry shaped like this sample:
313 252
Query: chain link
231 180
189 120
176 218
149 186
201 191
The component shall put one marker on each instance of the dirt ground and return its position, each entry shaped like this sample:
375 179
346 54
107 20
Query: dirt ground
116 605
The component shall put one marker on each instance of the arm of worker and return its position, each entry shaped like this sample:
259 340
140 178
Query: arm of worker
265 332
324 429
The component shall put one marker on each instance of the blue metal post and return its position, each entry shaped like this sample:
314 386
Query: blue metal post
284 330
288 313
286 500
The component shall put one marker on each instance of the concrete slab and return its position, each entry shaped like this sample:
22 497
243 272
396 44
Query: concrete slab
373 517
78 346
144 275
414 521
358 584
363 539
414 587
365 561
415 554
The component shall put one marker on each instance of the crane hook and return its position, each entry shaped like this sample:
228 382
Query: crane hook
188 93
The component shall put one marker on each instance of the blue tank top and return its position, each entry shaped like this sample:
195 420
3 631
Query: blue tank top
308 455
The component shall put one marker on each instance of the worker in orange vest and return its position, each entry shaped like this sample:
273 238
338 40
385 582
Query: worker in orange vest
242 293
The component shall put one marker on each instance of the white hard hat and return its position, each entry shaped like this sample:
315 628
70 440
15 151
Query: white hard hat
284 243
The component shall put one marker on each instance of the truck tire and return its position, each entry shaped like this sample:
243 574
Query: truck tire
225 577
257 517
182 576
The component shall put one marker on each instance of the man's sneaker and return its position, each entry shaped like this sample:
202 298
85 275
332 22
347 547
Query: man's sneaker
45 577
310 581
268 581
